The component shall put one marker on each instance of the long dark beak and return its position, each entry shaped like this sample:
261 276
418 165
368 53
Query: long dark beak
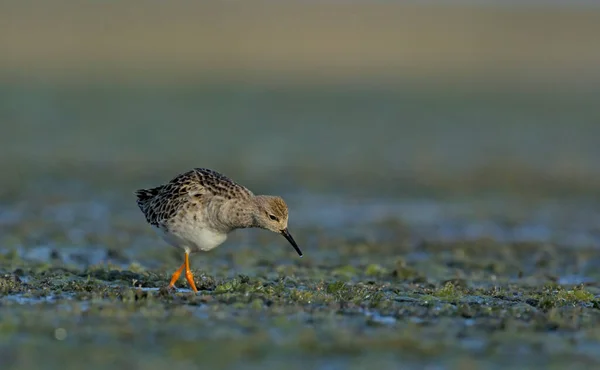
289 238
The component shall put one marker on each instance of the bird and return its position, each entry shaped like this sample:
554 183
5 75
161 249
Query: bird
197 209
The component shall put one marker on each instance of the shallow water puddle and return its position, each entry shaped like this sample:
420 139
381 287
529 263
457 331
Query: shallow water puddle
24 299
69 255
575 280
377 318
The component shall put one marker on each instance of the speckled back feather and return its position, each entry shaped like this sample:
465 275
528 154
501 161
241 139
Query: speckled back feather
162 203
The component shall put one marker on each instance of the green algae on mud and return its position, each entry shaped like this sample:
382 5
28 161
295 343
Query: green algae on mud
364 312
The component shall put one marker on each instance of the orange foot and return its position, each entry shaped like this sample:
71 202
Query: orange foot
188 275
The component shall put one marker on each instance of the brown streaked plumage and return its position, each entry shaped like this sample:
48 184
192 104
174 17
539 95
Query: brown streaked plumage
197 209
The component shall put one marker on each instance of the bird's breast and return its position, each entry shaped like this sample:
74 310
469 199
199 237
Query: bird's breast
194 234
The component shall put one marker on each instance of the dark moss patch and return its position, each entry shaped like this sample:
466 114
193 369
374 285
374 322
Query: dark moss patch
10 284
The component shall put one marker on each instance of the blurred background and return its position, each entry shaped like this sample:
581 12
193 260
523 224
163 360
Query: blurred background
364 96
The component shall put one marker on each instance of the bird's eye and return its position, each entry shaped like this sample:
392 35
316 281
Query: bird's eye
272 217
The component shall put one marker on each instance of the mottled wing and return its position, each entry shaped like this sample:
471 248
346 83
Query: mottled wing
220 185
191 188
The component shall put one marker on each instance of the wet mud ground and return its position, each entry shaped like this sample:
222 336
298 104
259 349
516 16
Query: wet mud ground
478 283
420 250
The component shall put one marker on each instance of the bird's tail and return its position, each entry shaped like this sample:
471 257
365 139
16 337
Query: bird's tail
144 195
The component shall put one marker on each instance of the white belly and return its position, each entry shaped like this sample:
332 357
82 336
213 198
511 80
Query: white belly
192 238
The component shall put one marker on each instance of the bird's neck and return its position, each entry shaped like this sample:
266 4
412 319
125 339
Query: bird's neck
236 213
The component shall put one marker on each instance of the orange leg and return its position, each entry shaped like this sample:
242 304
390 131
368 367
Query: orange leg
188 273
175 276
